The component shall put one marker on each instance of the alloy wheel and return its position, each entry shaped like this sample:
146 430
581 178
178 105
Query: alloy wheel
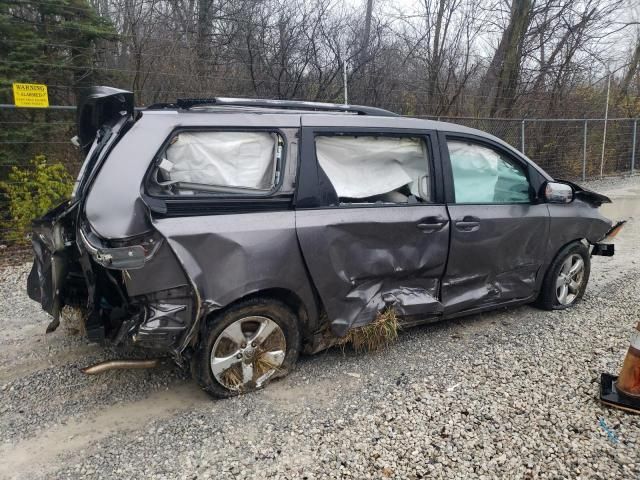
248 353
570 279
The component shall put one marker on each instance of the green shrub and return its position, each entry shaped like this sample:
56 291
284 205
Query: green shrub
31 192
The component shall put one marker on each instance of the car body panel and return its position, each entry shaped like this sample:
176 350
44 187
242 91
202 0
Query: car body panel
575 221
162 272
497 261
364 259
231 256
497 251
131 158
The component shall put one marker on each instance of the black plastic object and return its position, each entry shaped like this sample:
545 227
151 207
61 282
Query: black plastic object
604 249
610 396
98 105
595 199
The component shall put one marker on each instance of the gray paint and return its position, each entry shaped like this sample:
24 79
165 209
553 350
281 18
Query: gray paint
231 256
119 184
575 221
162 272
500 259
364 258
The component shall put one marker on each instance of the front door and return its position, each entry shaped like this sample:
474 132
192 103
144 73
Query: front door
371 223
498 232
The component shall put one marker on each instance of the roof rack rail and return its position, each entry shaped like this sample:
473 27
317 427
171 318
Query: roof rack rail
187 103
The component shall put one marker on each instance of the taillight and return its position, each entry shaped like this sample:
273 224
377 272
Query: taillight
125 254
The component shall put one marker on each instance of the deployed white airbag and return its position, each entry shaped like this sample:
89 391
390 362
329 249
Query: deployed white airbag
481 175
228 159
365 166
475 172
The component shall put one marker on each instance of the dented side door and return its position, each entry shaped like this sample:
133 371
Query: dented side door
366 257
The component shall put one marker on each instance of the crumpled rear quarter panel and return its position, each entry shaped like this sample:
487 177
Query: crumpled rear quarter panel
231 256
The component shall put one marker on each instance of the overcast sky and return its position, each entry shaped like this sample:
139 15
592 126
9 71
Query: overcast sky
620 44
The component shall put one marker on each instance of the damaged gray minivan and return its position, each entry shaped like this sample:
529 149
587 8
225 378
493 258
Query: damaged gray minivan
234 233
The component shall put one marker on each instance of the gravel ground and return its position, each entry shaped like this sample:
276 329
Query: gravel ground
508 394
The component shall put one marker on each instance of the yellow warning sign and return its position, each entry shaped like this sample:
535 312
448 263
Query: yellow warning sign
30 95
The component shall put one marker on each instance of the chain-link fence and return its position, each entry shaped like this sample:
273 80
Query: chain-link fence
566 148
573 149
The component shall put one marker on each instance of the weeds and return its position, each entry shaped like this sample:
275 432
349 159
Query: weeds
264 364
232 376
375 335
73 319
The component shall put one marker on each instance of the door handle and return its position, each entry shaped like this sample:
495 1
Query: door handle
431 226
468 226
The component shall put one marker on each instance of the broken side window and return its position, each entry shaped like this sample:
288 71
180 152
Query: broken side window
375 169
220 162
484 175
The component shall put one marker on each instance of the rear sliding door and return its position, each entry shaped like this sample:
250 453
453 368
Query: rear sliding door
371 222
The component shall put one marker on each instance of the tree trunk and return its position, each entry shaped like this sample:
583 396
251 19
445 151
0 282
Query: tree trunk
503 75
632 70
203 49
436 55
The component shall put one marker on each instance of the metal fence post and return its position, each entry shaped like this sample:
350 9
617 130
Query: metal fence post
633 148
522 137
584 152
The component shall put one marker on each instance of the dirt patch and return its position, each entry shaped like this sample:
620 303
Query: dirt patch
36 454
319 393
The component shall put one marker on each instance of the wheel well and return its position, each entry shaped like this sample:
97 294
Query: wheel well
562 247
285 296
582 240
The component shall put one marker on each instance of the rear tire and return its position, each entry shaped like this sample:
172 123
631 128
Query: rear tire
566 279
245 347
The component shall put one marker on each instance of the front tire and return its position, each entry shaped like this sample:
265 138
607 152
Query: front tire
567 278
245 347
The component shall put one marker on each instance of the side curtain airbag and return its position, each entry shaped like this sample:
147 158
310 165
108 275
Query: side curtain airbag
233 159
481 175
365 166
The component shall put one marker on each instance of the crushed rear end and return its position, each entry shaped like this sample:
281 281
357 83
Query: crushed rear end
128 286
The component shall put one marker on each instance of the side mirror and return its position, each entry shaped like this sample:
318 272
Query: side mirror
557 192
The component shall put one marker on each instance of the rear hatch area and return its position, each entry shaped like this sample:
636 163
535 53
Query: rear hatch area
58 277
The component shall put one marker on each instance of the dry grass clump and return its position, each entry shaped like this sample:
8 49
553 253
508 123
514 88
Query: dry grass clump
73 320
263 364
232 376
375 335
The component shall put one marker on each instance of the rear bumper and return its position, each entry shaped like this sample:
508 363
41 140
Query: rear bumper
53 250
130 292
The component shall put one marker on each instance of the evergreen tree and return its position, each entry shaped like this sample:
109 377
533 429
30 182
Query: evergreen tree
54 42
